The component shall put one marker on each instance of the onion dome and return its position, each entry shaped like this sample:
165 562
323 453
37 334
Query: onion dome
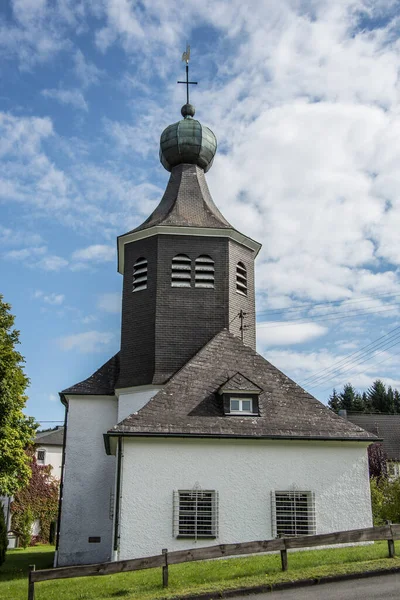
187 142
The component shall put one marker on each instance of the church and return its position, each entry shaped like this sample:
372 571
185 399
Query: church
187 436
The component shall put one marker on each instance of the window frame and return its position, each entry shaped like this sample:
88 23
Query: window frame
185 517
297 522
241 399
43 460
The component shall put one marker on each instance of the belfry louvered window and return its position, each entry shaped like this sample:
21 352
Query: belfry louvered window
181 271
241 279
196 513
293 513
140 275
204 272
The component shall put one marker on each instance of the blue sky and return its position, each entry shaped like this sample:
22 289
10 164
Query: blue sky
304 100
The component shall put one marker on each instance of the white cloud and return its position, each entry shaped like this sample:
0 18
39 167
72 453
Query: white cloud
110 302
87 342
74 97
86 71
53 397
52 298
51 263
25 253
284 334
97 253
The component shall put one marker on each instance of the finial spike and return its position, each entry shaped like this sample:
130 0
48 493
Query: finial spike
186 58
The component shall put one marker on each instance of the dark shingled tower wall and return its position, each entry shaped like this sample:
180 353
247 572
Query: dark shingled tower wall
164 326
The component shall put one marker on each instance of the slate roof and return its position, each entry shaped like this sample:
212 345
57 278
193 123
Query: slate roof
102 382
189 403
384 426
54 437
187 202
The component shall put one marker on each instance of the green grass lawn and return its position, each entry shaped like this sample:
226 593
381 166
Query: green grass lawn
197 577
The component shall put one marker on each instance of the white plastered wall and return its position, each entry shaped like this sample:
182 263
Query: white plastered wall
53 457
131 400
244 473
89 478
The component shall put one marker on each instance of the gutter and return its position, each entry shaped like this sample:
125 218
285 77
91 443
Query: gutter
62 398
117 498
110 434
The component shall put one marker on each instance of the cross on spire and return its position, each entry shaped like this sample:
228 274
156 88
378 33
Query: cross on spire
186 58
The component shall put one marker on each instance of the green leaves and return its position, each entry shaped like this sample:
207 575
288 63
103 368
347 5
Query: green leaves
16 429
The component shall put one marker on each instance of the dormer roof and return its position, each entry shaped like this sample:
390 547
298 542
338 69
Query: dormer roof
239 384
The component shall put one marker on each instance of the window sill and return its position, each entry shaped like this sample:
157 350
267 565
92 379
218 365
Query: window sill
196 537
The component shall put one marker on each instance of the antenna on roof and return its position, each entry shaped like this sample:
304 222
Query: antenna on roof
186 58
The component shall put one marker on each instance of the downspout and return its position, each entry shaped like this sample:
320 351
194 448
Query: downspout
117 499
61 481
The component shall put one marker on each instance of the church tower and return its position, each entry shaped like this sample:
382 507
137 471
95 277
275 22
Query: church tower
188 274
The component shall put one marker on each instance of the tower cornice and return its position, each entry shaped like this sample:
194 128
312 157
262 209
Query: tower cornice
230 233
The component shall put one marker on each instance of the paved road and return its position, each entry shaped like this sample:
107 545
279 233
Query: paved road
384 587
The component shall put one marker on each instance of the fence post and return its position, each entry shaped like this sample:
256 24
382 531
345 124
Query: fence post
391 542
165 568
31 584
284 558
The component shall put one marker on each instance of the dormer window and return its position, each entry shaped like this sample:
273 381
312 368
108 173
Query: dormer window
140 275
241 405
240 396
181 271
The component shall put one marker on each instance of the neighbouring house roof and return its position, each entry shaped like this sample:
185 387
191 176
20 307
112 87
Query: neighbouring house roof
54 437
101 383
187 202
189 404
384 426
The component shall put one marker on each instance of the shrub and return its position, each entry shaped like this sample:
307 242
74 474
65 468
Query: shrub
3 536
25 528
385 497
40 497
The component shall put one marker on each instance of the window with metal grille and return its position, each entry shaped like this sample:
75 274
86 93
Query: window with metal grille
181 271
140 275
241 279
40 456
293 513
204 272
196 513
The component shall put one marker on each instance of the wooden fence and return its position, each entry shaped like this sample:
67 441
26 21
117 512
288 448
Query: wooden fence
388 532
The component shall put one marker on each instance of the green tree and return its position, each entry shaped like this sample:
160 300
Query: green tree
396 401
334 401
377 396
348 397
16 429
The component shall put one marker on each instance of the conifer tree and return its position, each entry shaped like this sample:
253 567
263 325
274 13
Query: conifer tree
377 396
348 397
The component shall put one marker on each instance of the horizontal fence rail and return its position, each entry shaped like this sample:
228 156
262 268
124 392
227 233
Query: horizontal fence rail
390 533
